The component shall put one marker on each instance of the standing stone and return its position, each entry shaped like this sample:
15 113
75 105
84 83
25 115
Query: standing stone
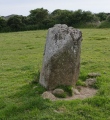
61 57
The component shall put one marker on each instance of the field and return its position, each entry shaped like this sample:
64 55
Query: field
20 59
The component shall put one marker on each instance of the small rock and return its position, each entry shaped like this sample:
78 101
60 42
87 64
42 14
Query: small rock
90 81
34 87
76 92
58 91
94 74
48 95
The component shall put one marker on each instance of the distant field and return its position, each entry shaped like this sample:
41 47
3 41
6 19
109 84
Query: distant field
20 59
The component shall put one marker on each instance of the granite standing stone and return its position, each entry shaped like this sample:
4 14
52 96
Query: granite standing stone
61 63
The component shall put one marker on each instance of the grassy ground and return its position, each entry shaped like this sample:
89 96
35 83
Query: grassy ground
21 58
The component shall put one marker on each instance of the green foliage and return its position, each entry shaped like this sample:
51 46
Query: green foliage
67 89
62 16
38 15
15 23
102 16
108 18
83 74
80 83
40 18
2 23
105 24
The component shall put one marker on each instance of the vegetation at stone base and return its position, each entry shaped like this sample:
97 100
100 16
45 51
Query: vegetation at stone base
67 91
40 18
80 83
20 59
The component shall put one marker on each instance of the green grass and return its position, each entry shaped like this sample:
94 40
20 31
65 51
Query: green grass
20 60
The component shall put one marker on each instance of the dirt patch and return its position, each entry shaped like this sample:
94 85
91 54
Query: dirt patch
85 92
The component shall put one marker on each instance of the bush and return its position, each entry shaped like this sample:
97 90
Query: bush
105 24
108 18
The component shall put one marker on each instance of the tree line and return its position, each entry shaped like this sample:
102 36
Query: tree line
40 18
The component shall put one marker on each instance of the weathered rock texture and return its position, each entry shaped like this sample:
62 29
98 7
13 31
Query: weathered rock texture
61 57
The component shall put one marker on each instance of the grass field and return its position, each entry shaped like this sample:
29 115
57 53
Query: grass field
20 59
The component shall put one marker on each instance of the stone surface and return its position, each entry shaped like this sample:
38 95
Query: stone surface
75 91
94 74
90 81
61 61
48 95
58 91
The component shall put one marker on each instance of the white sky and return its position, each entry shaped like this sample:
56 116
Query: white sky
22 7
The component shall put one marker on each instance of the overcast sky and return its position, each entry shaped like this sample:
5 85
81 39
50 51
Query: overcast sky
22 7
